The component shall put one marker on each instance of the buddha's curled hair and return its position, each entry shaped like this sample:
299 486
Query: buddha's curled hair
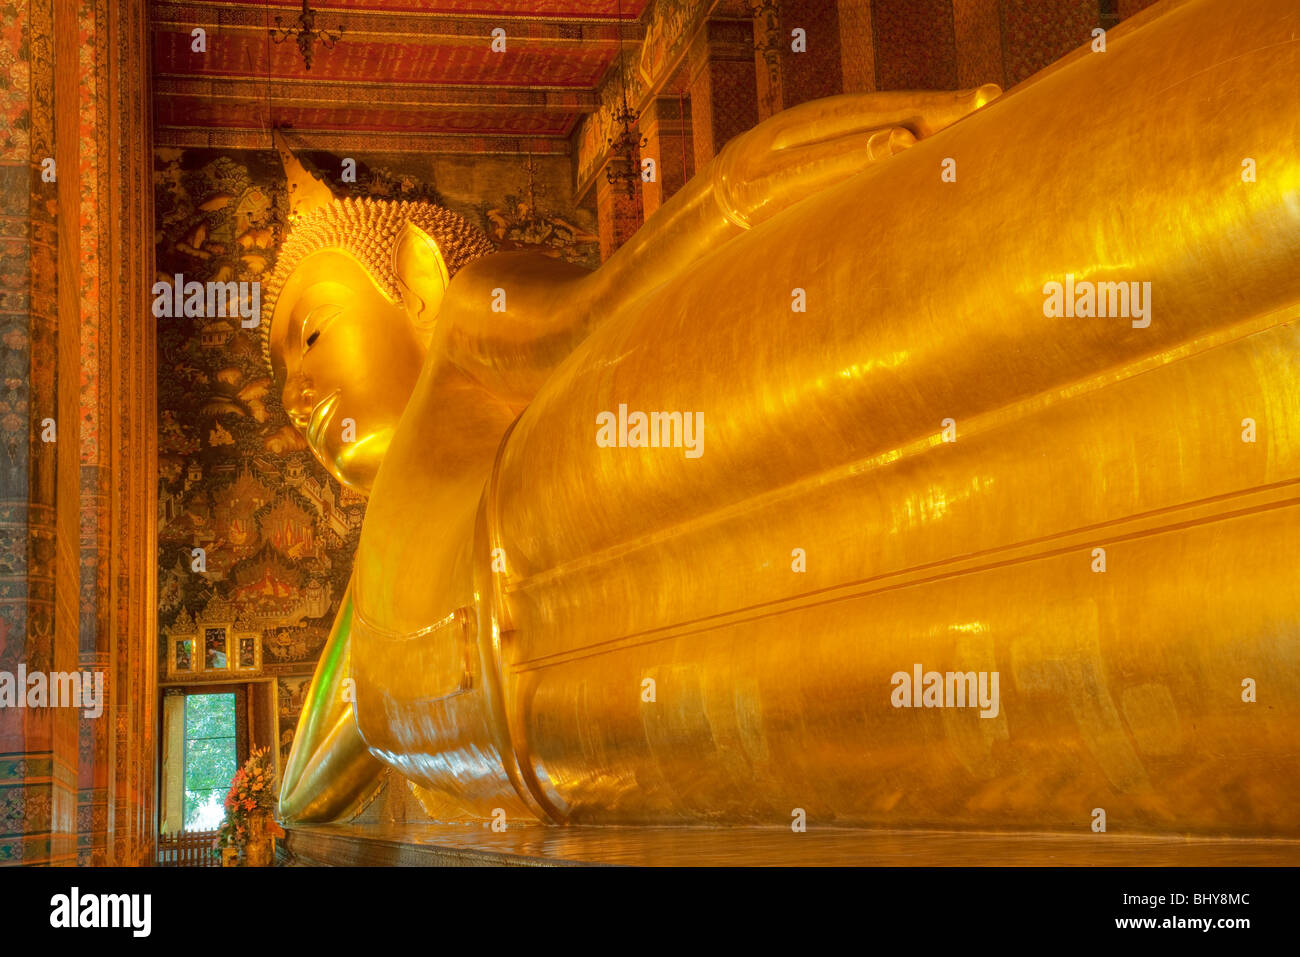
367 228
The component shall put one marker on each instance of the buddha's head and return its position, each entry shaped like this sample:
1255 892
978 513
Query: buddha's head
348 313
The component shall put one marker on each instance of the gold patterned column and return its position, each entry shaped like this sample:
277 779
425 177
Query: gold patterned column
77 431
798 52
39 744
133 440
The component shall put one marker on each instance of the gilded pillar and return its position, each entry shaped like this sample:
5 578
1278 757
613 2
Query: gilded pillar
96 408
76 489
63 346
133 443
39 744
24 817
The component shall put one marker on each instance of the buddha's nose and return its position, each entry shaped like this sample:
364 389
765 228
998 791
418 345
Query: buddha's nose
298 398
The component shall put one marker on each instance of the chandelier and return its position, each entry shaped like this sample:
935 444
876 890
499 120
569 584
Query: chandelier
530 220
306 34
625 165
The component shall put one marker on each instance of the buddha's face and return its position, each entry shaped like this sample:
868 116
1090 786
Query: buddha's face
349 358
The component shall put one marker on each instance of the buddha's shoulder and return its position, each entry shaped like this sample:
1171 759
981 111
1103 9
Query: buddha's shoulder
502 269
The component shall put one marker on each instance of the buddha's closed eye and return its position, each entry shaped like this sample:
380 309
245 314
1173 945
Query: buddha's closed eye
318 321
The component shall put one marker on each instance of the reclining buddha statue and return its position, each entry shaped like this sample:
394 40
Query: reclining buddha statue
928 460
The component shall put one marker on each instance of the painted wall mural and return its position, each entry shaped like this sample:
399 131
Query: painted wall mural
236 480
291 691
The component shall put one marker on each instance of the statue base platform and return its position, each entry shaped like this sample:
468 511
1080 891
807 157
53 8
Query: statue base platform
476 845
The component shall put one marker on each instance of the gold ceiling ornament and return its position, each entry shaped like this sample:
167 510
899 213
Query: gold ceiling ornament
306 34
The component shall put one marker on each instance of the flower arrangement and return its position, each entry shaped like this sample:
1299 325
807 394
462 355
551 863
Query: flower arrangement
250 804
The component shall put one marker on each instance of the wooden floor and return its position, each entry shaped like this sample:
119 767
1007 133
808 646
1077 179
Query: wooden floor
475 845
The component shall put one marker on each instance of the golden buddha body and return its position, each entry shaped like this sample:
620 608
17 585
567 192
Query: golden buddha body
944 558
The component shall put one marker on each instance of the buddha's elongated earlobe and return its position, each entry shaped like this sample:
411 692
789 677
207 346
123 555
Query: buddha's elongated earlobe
422 274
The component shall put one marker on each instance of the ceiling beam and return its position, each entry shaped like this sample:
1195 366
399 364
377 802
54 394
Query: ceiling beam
349 141
317 92
378 25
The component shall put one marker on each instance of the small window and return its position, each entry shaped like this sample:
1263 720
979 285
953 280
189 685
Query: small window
210 758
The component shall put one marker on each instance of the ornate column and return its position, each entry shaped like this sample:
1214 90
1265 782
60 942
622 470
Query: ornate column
795 68
667 126
723 88
977 30
132 440
857 46
1036 33
618 214
77 434
38 745
915 46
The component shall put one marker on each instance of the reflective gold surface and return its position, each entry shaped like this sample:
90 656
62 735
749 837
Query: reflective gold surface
461 845
517 584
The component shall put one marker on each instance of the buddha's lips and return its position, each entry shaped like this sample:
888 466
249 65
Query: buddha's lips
320 416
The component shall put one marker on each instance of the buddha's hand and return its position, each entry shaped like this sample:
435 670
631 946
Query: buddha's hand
809 147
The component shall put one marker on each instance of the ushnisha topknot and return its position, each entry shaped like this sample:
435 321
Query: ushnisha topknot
367 228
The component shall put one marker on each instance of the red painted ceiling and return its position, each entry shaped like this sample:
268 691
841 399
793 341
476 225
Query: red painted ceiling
405 75
528 9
